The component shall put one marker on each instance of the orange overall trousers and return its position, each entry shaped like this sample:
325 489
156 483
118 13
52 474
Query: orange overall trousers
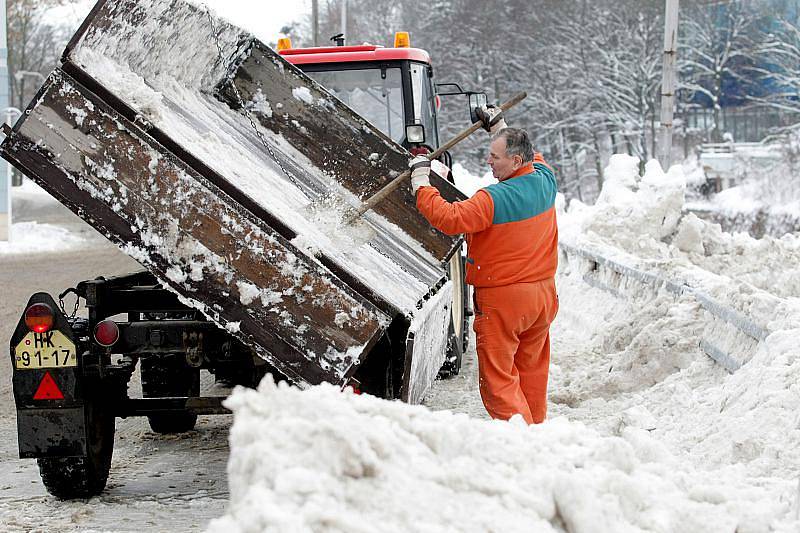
512 330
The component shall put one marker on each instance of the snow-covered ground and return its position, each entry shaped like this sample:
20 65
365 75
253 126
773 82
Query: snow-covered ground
32 237
762 194
646 433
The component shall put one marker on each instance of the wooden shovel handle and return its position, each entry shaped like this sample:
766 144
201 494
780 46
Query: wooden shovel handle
376 198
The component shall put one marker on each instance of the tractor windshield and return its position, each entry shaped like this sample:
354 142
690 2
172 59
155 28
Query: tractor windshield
375 94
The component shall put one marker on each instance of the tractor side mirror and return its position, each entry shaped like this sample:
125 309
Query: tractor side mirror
476 100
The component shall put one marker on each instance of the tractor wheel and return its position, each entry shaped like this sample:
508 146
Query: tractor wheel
168 377
69 478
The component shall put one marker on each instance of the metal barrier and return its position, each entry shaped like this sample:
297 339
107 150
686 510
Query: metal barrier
751 332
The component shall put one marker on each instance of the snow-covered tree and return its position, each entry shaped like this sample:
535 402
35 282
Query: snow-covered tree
780 65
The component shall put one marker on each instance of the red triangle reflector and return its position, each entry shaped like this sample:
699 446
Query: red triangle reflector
48 390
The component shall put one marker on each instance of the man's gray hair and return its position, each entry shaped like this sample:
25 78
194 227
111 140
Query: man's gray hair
517 143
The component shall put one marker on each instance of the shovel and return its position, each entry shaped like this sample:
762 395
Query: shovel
376 198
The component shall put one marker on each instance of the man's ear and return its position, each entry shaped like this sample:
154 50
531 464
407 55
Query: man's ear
518 161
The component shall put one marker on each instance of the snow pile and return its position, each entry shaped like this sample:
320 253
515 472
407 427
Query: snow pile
646 432
35 238
635 361
639 221
769 263
641 348
633 342
635 214
321 460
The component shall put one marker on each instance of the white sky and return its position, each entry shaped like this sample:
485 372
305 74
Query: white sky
263 18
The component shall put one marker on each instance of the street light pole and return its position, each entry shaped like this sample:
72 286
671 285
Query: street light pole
12 114
344 19
5 170
669 81
315 21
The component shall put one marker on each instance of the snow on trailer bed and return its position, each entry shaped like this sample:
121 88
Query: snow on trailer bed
146 133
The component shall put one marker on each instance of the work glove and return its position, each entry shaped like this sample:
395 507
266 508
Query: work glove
421 170
491 117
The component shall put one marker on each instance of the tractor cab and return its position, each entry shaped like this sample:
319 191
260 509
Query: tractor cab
392 88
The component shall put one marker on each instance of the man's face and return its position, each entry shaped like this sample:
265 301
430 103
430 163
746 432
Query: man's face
503 165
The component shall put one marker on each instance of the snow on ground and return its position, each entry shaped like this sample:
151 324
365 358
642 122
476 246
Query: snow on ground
645 432
35 238
32 237
322 460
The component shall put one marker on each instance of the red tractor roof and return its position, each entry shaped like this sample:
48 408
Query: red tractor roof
343 54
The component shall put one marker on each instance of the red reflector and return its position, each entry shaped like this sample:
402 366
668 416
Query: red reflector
106 333
39 318
48 390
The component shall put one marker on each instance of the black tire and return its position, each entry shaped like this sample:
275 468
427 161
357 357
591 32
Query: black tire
69 478
458 330
246 376
168 376
172 422
452 362
376 374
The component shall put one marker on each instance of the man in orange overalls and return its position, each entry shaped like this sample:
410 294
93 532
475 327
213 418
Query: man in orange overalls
512 254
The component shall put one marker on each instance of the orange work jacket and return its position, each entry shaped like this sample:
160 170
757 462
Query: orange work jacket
510 227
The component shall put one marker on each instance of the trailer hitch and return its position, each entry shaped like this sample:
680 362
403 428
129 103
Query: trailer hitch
77 301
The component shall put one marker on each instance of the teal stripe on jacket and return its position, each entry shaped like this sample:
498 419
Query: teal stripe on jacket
525 196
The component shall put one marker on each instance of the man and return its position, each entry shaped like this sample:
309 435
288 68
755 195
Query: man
512 255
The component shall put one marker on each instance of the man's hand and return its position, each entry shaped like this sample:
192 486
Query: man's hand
491 117
421 170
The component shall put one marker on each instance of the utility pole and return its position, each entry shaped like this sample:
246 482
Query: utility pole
315 21
669 81
5 174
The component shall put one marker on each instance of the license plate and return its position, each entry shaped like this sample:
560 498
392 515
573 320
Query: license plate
51 349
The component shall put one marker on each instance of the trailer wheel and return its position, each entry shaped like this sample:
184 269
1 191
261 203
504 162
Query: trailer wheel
458 331
168 376
69 478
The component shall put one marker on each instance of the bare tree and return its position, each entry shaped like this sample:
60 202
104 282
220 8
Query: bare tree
34 46
591 68
719 46
780 59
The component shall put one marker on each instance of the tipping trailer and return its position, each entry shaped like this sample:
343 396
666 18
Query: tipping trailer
224 169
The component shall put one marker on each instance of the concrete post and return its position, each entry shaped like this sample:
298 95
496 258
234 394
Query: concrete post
669 82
